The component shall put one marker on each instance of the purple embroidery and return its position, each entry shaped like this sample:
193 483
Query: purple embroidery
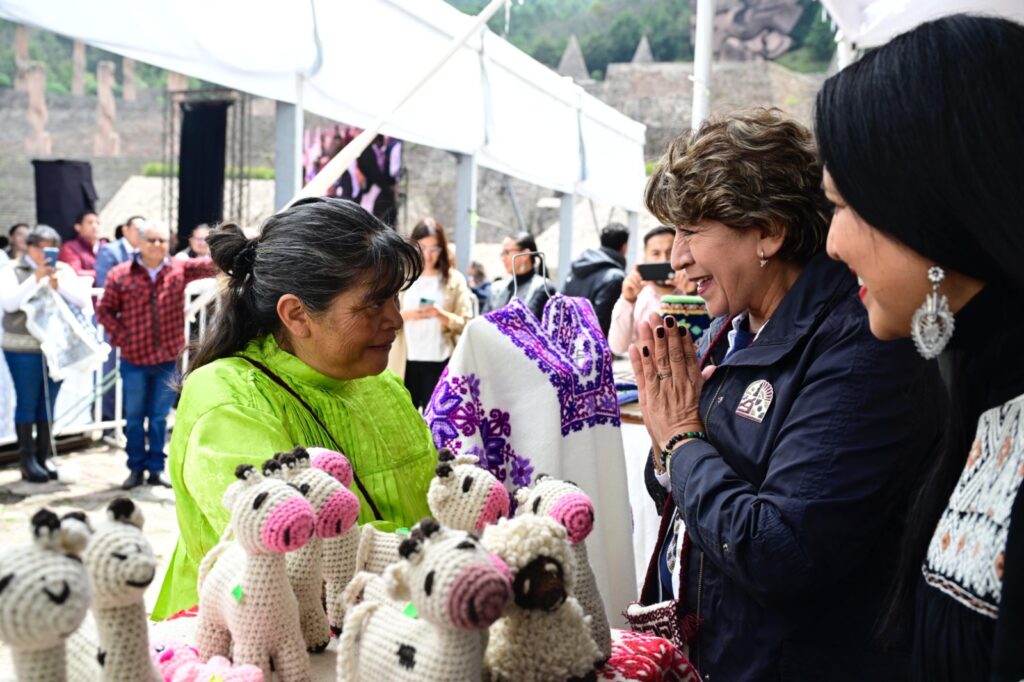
455 413
569 348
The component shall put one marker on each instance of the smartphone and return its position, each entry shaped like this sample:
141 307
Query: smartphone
50 253
426 301
656 272
690 312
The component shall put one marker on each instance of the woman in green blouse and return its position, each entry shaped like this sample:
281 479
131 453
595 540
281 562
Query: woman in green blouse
296 356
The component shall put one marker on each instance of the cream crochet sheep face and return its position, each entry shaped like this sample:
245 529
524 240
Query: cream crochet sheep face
449 577
44 588
119 557
268 515
564 501
536 551
464 496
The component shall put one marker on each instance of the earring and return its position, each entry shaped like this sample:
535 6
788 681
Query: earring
761 259
932 326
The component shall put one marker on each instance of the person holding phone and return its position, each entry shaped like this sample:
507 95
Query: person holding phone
435 308
35 391
641 295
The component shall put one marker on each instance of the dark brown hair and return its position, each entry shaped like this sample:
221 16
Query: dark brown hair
751 169
428 227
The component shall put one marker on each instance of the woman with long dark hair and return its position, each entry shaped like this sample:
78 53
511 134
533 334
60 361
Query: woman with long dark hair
296 356
922 142
525 282
435 308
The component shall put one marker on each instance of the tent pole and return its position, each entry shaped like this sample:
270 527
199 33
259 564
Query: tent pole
332 171
565 230
465 210
288 148
634 248
702 62
846 54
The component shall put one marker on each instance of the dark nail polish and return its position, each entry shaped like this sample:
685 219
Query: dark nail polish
670 322
646 352
660 331
682 330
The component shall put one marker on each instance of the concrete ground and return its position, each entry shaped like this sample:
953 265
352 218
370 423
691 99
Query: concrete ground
90 479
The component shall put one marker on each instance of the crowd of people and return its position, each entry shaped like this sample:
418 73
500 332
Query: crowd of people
833 506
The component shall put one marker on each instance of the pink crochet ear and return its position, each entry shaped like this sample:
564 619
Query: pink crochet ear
289 526
575 511
337 514
334 463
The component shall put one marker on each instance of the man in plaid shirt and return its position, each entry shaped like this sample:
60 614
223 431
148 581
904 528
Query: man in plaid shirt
143 311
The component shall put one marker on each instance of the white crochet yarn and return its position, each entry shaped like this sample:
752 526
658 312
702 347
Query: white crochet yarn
465 496
121 565
377 549
454 589
44 595
337 509
570 506
544 636
247 609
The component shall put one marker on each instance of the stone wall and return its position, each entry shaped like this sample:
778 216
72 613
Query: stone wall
660 95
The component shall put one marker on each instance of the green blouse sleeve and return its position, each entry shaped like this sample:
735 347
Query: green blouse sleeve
219 441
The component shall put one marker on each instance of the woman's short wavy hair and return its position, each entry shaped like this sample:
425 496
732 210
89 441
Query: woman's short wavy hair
751 169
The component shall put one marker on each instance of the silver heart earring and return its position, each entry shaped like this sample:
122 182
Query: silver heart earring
761 259
933 323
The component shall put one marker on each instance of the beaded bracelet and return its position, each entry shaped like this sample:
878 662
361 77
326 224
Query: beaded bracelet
670 446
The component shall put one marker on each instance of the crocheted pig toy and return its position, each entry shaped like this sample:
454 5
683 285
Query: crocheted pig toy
464 496
179 662
567 504
454 590
121 564
44 595
247 609
544 636
336 511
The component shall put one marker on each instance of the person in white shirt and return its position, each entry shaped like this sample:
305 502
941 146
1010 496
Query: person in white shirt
435 308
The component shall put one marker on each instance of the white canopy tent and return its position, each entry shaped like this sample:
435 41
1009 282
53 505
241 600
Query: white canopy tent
350 59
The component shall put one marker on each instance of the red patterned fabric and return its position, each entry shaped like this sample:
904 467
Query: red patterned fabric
639 656
80 255
146 319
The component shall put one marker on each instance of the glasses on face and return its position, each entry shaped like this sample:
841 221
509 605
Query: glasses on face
432 250
156 240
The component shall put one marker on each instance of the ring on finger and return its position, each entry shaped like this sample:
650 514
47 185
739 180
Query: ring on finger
663 375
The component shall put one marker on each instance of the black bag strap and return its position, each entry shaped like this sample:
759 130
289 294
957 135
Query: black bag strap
283 384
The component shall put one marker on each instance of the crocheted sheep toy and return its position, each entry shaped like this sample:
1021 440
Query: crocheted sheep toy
463 495
544 636
247 609
179 662
121 565
567 504
44 595
336 511
454 588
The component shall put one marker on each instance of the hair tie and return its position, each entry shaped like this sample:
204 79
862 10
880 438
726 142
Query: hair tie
241 266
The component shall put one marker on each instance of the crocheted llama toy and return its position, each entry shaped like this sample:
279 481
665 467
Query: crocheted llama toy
179 662
567 504
44 595
338 553
454 588
377 549
121 565
464 496
544 636
246 607
336 511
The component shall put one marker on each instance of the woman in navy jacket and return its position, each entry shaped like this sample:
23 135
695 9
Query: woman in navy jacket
794 439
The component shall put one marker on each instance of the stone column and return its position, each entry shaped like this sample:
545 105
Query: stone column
107 142
20 58
78 68
176 81
128 79
38 142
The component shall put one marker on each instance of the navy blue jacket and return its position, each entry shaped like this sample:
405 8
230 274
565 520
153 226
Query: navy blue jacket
796 519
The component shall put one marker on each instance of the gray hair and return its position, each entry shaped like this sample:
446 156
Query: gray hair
151 225
42 233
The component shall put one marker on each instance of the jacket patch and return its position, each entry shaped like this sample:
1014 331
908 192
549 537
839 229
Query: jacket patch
755 401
